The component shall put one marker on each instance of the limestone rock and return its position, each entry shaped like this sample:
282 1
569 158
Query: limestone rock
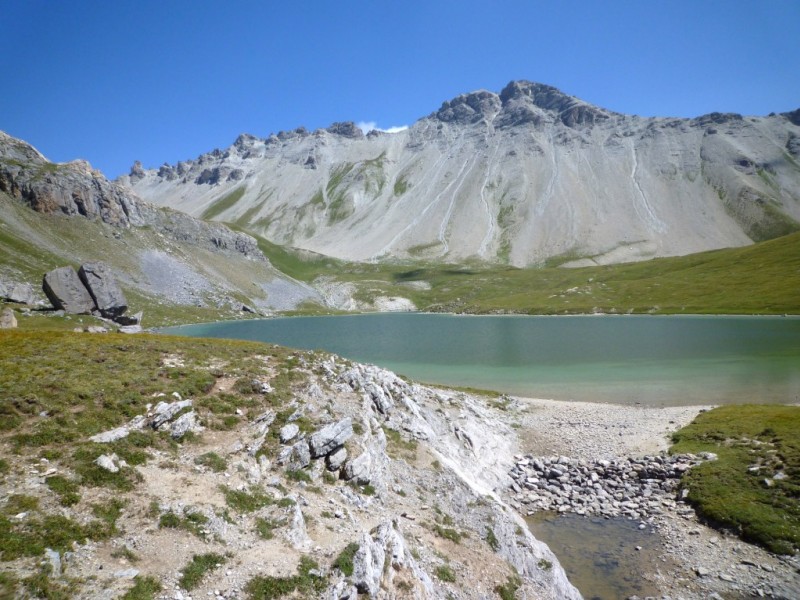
109 463
19 293
358 469
184 424
379 560
295 457
7 319
107 295
165 412
329 438
289 432
296 533
336 459
66 292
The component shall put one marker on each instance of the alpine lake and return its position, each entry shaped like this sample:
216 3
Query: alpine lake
646 360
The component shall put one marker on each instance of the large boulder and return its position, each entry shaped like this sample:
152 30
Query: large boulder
20 293
65 291
107 295
329 438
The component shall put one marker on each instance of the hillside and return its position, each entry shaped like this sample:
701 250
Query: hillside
168 263
516 178
157 463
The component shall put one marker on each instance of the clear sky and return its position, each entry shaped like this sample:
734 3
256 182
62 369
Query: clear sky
112 81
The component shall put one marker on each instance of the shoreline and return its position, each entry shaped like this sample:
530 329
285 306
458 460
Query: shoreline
696 561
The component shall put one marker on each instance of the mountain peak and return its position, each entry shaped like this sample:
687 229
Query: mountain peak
571 110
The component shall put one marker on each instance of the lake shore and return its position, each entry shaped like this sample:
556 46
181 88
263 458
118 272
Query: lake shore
697 561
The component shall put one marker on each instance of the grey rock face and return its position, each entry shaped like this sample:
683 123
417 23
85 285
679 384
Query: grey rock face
295 457
165 412
517 177
7 319
358 469
75 189
102 286
289 432
336 459
329 438
66 292
19 293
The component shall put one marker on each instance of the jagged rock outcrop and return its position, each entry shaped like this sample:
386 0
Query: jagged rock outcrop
75 189
103 288
66 291
520 177
330 438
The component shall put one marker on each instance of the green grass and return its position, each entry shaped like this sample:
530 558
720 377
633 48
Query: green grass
192 522
344 562
144 588
223 204
31 536
193 573
731 492
446 574
508 590
246 502
213 461
491 539
266 527
757 279
304 585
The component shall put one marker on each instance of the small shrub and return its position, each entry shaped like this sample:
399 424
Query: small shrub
448 533
446 574
126 553
213 461
286 502
298 475
66 489
544 564
266 527
344 562
491 539
508 590
193 573
305 583
19 503
169 520
144 588
246 502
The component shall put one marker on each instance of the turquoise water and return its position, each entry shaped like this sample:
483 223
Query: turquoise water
654 360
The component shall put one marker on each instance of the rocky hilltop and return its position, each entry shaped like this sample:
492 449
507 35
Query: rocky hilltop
52 214
519 177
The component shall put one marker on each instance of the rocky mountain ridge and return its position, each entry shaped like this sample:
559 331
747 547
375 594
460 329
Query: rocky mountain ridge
521 177
52 214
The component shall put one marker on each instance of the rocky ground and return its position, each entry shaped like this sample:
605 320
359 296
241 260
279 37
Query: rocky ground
705 563
422 490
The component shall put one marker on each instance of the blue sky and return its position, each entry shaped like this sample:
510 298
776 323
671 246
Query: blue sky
116 81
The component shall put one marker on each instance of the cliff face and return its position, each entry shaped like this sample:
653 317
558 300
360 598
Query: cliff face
517 177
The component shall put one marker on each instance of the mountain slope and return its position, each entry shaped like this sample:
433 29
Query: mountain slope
56 214
516 177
